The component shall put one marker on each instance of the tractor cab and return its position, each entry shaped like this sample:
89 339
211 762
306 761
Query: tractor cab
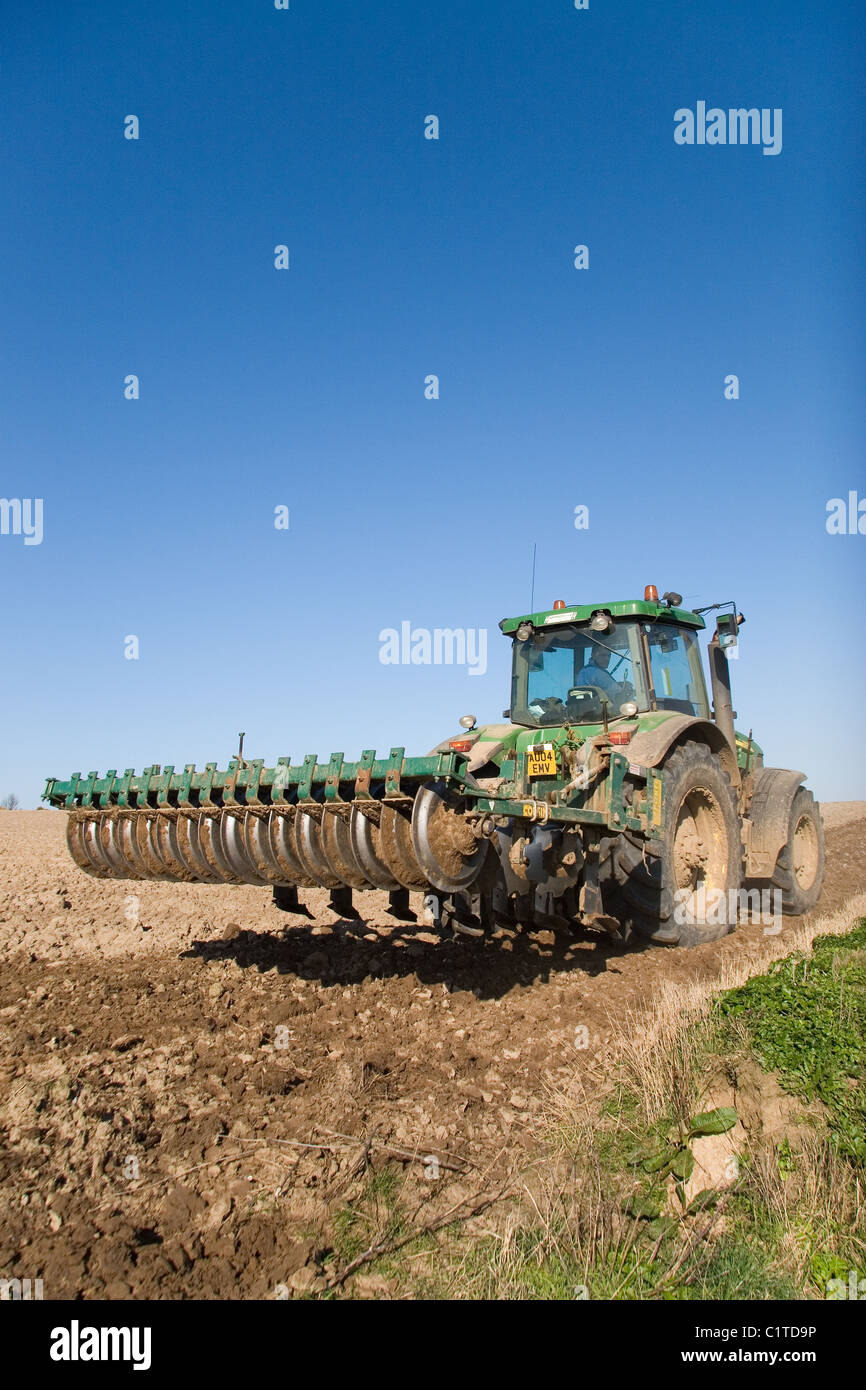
585 665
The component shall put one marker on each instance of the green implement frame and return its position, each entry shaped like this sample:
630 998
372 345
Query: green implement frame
396 778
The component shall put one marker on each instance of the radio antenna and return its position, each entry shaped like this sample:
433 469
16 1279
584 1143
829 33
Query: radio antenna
532 593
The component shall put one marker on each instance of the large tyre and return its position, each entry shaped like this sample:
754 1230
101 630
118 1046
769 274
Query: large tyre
701 848
799 873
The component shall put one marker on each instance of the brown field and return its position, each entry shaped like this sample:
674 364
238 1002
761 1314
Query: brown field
192 1082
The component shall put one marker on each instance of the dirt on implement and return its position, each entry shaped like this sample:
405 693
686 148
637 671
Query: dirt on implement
193 1083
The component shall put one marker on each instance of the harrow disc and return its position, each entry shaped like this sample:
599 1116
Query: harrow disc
144 829
165 834
127 827
395 840
446 848
368 851
82 842
310 851
235 851
336 839
281 837
191 852
258 849
210 840
157 828
107 835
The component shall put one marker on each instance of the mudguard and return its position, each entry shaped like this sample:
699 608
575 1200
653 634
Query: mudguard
649 748
768 818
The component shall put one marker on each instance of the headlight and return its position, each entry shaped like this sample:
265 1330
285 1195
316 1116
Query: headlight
467 721
629 709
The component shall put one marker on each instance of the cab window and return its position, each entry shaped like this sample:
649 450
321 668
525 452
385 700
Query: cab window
677 674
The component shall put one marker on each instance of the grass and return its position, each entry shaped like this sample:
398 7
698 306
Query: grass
377 1214
806 1019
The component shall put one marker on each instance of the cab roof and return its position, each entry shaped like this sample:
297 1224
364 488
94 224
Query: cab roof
624 608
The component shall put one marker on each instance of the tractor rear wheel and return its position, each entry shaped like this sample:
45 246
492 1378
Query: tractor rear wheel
682 894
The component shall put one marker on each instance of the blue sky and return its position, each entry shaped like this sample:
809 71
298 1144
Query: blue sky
408 256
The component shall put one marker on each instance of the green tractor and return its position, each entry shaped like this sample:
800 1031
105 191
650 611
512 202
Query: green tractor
610 797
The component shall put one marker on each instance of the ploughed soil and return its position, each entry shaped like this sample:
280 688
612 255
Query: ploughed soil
193 1084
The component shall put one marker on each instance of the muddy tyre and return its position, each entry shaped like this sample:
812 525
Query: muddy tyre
799 873
701 849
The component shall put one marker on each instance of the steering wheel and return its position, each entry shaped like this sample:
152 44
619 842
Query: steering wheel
551 708
585 700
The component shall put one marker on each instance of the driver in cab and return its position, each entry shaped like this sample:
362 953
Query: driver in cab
595 672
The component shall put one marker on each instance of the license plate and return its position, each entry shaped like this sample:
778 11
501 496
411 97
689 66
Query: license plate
541 761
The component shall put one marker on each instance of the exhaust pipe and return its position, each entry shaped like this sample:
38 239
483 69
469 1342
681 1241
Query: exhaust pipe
720 677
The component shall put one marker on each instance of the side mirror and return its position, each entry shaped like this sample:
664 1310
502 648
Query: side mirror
506 714
726 627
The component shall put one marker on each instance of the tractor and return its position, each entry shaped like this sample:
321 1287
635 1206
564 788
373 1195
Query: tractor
612 796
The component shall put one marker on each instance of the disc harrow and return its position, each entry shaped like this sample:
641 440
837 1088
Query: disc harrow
390 824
